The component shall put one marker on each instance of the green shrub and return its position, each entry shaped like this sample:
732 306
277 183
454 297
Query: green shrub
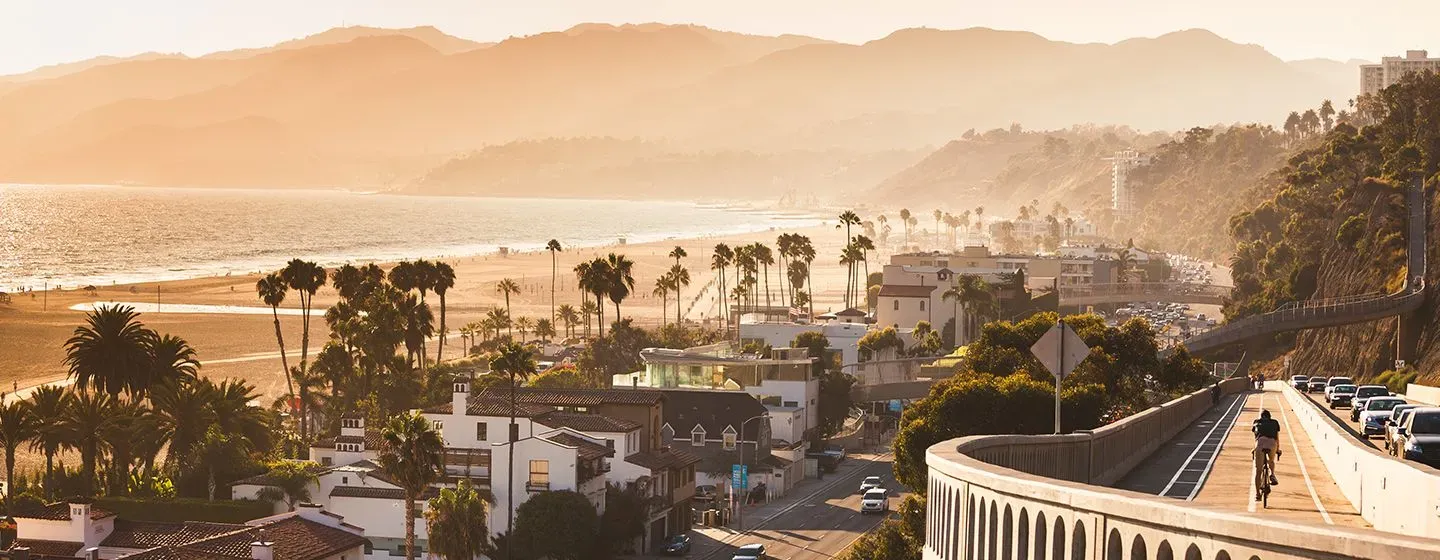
185 509
1350 231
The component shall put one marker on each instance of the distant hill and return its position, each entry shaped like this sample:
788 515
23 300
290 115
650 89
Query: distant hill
397 99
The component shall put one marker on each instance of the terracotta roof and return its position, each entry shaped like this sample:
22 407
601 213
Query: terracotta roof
587 397
587 422
850 312
672 459
896 290
586 449
59 511
49 548
150 534
294 538
264 479
378 493
713 411
170 553
493 406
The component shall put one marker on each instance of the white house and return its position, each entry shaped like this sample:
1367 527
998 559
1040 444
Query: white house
843 332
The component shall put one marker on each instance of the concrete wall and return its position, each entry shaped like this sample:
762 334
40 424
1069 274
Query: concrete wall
1012 497
1393 495
1423 394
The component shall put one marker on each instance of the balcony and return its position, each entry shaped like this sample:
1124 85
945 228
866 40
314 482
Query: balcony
537 486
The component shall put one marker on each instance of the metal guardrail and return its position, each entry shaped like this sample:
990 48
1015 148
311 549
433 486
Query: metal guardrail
1343 310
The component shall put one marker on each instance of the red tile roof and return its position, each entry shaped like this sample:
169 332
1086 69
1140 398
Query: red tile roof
59 511
150 534
655 460
493 406
896 290
49 548
586 449
587 397
294 538
377 493
587 422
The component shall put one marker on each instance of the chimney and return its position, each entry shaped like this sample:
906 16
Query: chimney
262 549
92 553
316 513
459 397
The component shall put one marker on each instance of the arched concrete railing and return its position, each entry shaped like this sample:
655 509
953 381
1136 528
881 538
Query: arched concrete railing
1175 292
1314 314
1024 497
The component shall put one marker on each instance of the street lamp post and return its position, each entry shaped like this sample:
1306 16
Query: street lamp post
740 449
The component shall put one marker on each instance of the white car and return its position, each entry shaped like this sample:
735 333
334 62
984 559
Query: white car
871 482
1333 381
1397 418
749 552
1376 413
875 500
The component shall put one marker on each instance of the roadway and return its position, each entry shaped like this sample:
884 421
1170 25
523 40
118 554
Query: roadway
1209 464
1341 418
819 525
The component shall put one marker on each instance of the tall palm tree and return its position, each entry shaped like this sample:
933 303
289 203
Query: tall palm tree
216 452
172 359
507 287
444 280
180 413
544 330
272 289
805 251
904 221
980 219
784 247
849 218
678 253
289 482
18 426
456 521
568 317
124 436
679 278
554 247
587 309
305 278
719 261
865 245
234 415
111 352
662 290
48 404
796 274
621 281
764 257
524 324
518 363
83 427
849 257
591 276
937 214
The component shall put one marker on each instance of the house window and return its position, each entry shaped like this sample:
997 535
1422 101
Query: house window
797 403
539 474
610 443
922 305
439 426
481 431
729 438
697 436
897 305
326 461
350 422
344 480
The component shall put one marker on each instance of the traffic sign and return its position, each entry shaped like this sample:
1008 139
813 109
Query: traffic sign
1060 350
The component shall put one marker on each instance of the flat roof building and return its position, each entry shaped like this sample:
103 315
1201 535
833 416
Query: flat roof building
1375 77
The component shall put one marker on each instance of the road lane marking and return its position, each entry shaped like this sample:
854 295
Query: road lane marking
1235 407
1299 461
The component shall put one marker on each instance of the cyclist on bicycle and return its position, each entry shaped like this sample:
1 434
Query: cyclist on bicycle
1267 448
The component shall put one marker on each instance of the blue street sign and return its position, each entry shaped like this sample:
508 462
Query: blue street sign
735 476
745 476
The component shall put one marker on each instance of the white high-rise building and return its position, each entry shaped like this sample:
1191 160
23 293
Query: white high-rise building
1375 77
1122 201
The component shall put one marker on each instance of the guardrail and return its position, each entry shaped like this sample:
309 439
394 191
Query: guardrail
1423 394
1026 497
1393 495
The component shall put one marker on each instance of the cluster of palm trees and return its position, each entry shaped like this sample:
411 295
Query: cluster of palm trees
672 282
135 399
609 277
977 297
752 264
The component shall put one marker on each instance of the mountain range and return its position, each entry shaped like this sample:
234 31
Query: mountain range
390 108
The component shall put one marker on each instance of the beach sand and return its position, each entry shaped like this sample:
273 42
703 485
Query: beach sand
34 327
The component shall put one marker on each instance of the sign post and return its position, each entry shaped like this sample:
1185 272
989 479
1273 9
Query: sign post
1060 350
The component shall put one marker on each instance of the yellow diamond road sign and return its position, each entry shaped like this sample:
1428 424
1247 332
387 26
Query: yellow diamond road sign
1060 350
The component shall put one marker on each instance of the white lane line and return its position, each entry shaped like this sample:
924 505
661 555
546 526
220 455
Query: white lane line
1215 456
1299 461
1202 443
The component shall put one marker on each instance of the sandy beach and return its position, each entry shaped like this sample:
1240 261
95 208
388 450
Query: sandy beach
34 327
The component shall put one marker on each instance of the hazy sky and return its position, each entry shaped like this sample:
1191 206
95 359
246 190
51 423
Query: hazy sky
40 32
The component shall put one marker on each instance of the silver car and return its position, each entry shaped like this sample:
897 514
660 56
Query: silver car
1397 417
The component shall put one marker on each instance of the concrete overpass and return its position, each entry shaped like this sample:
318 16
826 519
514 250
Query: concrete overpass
1173 292
1172 482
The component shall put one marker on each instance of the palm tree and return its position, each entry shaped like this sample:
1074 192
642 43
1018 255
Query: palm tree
593 277
83 427
518 363
124 436
111 352
544 329
938 214
587 309
499 319
410 454
719 261
444 280
904 221
849 218
568 316
805 251
507 287
980 219
865 245
679 278
1124 264
289 482
662 289
272 290
554 247
179 414
1327 114
215 452
48 404
678 253
305 278
621 282
18 426
172 359
233 414
524 324
764 257
785 247
973 294
456 521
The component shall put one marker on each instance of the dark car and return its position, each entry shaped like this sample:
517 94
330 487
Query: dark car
1340 395
1316 385
677 545
1420 436
1357 403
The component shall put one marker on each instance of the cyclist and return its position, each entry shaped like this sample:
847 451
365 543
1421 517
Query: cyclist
1267 449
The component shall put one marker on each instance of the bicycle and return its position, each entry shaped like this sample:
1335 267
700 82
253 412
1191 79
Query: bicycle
1267 474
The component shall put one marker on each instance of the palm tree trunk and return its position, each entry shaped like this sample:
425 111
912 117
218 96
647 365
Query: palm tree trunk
9 473
210 483
554 274
599 316
440 346
409 524
767 288
511 328
280 338
811 282
49 473
510 473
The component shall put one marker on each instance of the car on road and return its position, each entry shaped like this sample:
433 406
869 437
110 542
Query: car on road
705 492
1397 417
1376 412
1363 392
837 452
1299 382
870 482
1340 395
750 552
1317 385
1420 436
1333 381
875 500
677 545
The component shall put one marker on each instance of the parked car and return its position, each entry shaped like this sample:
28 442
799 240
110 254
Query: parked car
1333 381
837 452
1376 412
1363 392
1397 417
750 552
1340 395
1299 382
869 483
677 545
875 500
705 492
1317 385
1420 436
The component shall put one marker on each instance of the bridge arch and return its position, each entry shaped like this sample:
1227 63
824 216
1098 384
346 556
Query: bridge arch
1138 550
1164 552
1115 548
1059 549
1192 552
1077 541
1040 531
1007 535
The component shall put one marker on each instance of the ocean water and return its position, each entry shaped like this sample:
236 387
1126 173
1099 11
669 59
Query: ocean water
99 235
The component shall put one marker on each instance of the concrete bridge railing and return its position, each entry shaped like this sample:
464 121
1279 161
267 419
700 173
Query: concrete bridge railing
1024 497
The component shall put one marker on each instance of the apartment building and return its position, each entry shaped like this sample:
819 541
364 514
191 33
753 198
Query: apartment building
1122 198
1375 77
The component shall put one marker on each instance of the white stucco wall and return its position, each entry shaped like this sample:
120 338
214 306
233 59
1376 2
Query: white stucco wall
562 474
381 518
